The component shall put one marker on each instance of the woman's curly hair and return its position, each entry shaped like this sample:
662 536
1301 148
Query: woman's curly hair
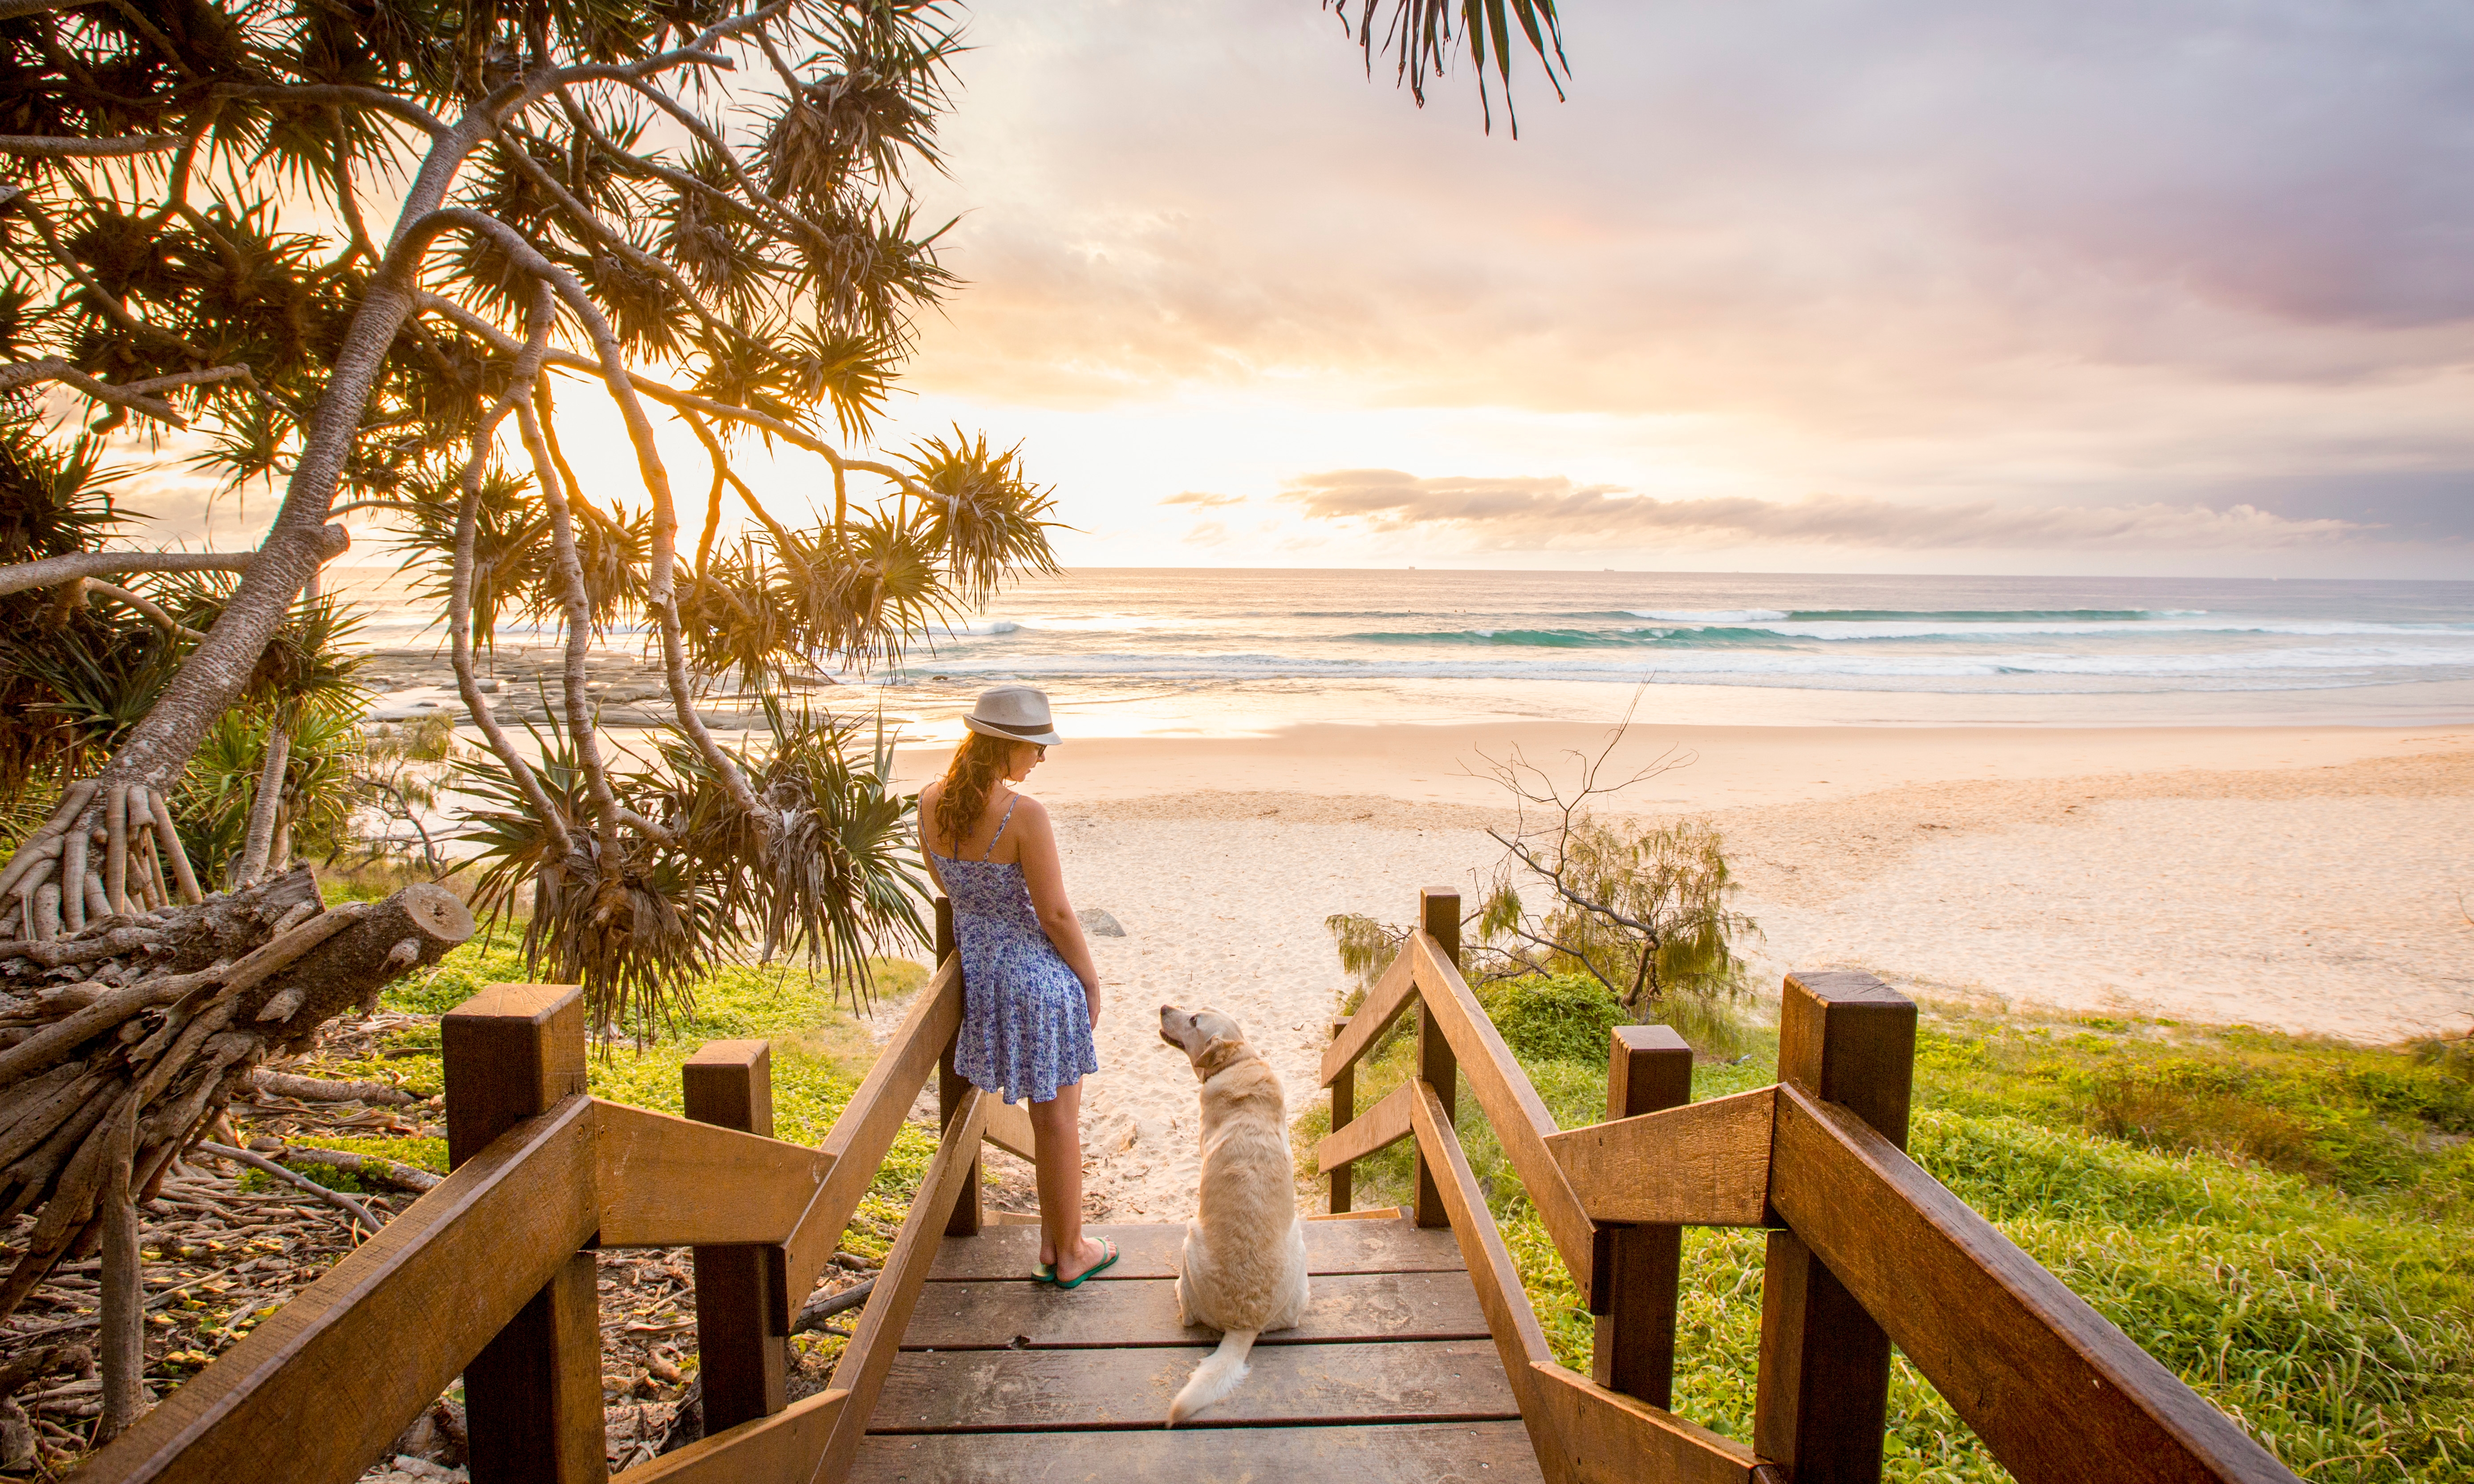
978 763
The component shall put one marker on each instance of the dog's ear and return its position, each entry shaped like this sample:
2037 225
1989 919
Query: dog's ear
1216 1055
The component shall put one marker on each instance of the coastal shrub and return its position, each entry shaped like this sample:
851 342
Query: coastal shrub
1558 1018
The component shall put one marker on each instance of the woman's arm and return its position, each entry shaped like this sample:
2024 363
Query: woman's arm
926 817
1042 873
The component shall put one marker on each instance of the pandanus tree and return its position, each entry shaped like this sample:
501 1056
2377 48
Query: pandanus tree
365 246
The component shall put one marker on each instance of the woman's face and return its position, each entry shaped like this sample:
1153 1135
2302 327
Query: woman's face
1027 755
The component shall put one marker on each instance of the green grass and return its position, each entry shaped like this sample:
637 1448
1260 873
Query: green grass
820 1052
2287 1224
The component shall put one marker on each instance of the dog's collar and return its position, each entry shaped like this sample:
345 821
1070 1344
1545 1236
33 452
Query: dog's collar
1231 1053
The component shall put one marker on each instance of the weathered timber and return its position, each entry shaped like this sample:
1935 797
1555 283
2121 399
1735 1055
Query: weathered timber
784 1446
860 1138
952 1085
1703 1164
1521 1123
876 1340
1344 1109
2006 1342
303 1397
1519 1343
1609 1438
1346 1307
741 1355
1008 1128
1635 1270
1405 1453
1394 992
1821 1402
532 1395
1153 1251
1439 936
670 1181
1380 1127
1028 1390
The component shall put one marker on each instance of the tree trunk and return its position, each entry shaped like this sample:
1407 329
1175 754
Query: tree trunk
258 849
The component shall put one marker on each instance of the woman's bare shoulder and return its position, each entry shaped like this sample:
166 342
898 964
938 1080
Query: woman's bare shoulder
1027 811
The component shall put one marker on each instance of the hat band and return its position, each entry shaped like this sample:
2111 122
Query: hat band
1034 730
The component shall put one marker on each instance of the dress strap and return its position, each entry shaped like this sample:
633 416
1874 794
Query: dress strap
1000 829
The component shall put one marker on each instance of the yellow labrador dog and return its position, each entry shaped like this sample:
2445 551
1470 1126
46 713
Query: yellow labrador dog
1245 1264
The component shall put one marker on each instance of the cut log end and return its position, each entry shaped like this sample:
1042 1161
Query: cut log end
437 913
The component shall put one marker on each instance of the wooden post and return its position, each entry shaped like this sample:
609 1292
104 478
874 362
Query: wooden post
1438 913
1636 1268
1822 1402
1344 1107
741 1355
951 1086
532 1397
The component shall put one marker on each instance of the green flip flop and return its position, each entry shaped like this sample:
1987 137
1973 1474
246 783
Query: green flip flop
1045 1273
1076 1282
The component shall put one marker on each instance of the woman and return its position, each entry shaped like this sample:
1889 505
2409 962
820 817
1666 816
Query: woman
1030 993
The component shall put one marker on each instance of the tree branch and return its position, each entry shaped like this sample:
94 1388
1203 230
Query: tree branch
122 595
70 146
53 571
132 395
339 95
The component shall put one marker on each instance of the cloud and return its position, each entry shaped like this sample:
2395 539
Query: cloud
1197 497
1207 533
1553 512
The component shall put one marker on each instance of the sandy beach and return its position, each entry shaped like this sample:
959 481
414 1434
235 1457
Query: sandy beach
2308 880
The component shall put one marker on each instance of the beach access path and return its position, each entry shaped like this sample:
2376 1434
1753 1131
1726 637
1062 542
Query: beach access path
2304 880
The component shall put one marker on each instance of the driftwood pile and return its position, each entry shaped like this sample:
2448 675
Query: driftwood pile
122 1038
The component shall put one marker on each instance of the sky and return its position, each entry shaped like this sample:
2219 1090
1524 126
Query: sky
1898 285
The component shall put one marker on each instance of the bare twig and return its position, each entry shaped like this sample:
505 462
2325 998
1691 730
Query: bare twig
70 146
335 1198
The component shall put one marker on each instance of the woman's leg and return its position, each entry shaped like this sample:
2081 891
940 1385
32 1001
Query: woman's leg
1056 1137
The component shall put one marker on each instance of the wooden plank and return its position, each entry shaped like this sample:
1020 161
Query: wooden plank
1703 1164
1411 1454
1522 1122
1034 1390
1380 1127
1518 1341
1344 1108
876 1339
1615 1439
1821 1402
320 1389
1346 1307
742 1364
782 1447
1400 1453
1009 1130
532 1396
669 1181
1635 1271
2006 1342
860 1138
1392 994
1152 1250
1439 919
951 1085
1374 1213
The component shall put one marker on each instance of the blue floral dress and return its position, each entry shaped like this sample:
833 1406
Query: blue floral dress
1026 1025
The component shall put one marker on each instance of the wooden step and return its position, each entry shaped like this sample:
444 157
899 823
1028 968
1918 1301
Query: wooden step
1345 1306
1151 1251
1466 1452
1032 1389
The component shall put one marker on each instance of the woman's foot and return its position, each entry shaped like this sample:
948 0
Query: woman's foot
1091 1255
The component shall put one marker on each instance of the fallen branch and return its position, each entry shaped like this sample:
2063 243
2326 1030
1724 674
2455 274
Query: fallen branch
321 1089
369 1166
335 1198
816 1312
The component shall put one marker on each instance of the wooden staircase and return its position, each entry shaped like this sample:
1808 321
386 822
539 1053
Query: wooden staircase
1394 1377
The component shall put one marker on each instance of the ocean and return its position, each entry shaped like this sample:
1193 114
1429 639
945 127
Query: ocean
1185 651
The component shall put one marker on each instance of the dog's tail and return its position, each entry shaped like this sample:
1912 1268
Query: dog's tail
1216 1378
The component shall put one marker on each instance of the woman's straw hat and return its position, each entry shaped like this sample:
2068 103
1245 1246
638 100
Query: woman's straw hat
1017 713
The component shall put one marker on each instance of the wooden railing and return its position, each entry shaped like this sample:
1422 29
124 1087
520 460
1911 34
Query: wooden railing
490 1275
1865 1250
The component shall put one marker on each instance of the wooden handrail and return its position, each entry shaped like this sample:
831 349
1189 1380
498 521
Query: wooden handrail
2008 1342
877 1337
666 1182
1703 1164
276 1405
782 1447
1380 1127
1579 1429
1392 994
862 1135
